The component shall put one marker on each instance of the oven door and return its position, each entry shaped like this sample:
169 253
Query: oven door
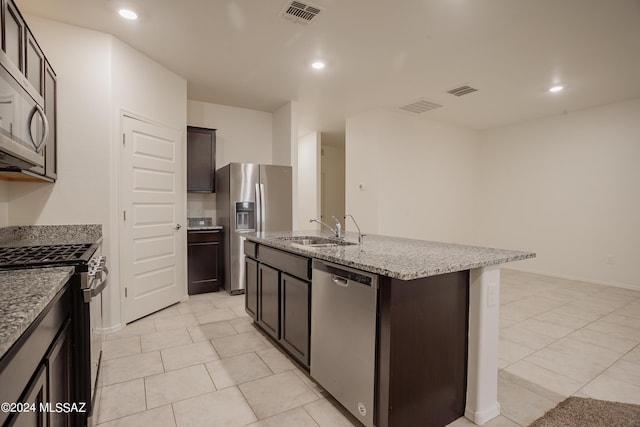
93 297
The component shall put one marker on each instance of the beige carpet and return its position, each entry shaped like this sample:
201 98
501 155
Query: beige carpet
582 412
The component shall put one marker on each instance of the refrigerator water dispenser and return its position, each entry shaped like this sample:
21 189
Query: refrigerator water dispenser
245 216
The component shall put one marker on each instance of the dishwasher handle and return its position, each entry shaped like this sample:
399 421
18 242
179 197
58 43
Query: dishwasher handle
340 281
342 275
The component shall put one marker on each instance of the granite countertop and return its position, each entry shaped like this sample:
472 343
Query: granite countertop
204 227
24 294
202 224
395 257
43 235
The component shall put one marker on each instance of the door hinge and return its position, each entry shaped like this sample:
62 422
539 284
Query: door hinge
125 292
123 137
124 215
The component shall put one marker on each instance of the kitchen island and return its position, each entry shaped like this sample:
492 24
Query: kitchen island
436 355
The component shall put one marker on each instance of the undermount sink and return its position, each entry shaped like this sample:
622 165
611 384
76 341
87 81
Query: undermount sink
315 242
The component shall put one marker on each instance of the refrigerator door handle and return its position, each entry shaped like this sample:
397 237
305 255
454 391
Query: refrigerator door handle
258 209
263 209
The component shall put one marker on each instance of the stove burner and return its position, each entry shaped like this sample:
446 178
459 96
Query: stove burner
40 255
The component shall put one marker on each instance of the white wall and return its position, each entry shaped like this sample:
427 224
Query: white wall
568 188
332 178
308 180
420 177
144 89
82 60
4 203
98 77
242 135
285 147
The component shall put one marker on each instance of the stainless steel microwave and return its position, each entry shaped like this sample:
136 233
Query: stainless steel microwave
23 125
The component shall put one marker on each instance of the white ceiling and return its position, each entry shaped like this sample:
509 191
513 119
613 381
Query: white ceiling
384 53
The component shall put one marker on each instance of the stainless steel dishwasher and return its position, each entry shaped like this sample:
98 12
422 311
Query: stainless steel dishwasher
343 335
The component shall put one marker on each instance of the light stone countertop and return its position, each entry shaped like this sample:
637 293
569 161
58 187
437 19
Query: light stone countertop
205 228
44 235
395 257
24 294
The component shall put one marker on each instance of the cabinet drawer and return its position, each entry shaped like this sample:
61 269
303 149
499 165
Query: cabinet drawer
204 236
295 265
250 249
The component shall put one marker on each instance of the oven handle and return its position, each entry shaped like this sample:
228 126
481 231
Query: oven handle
88 294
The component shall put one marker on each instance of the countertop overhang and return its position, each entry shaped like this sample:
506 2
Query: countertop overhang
24 294
395 257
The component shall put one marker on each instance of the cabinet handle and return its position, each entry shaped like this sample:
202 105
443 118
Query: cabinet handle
177 227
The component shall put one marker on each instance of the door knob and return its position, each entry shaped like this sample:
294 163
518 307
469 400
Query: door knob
178 227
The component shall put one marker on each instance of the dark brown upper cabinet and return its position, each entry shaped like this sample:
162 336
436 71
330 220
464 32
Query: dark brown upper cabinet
51 111
34 63
26 62
13 34
201 160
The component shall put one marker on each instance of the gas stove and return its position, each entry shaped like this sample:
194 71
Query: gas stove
38 256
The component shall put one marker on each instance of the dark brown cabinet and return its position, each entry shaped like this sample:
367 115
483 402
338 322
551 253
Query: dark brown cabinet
201 160
39 370
278 297
295 315
251 287
34 63
13 34
204 263
58 363
269 300
27 63
35 396
51 111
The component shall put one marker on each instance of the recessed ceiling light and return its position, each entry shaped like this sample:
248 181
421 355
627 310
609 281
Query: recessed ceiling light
318 65
128 14
556 88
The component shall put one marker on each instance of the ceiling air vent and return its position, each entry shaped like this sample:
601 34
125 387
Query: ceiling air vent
420 106
301 12
462 90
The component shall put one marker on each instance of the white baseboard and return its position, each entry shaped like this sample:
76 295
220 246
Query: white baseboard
482 417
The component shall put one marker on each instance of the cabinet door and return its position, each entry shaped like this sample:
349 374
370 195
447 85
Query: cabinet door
35 394
269 300
58 362
50 109
295 311
251 287
201 160
34 63
203 260
14 32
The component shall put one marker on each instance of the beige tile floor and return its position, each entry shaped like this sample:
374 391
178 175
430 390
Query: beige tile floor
202 363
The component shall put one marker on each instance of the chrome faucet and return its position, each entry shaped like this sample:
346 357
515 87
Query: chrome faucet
360 235
336 231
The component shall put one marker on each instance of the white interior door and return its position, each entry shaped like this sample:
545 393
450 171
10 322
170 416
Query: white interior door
152 260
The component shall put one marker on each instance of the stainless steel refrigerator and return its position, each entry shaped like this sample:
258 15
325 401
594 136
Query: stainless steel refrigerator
250 197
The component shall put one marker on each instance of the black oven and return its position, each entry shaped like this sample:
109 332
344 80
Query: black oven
88 282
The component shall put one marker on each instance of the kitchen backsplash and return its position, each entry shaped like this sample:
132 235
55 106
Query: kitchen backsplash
201 205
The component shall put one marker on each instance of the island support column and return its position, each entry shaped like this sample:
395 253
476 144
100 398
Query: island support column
482 369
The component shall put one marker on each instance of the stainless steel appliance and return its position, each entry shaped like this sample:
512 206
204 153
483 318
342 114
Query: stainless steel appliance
23 125
343 335
250 197
89 280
